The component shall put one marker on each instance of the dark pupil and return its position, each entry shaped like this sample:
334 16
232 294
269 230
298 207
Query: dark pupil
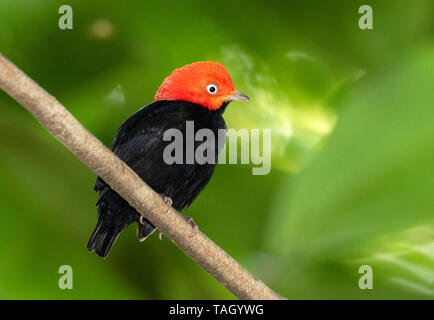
212 89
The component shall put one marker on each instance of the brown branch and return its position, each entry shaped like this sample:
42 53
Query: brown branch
62 124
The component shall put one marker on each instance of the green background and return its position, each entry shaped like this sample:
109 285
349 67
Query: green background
352 119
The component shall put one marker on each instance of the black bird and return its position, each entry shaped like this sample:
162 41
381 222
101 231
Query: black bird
198 92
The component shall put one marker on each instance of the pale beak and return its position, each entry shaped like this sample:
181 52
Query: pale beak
237 96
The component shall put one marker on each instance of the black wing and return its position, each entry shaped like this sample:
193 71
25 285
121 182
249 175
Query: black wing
139 143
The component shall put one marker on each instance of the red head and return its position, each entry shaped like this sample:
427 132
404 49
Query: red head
205 83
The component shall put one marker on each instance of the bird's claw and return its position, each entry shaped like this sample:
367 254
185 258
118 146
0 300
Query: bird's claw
144 229
167 200
191 222
141 239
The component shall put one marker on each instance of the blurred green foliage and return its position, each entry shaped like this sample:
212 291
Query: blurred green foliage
351 113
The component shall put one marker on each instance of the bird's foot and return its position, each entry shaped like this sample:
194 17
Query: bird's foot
144 229
143 237
191 222
166 199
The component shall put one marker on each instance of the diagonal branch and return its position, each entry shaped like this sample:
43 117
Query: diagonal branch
62 124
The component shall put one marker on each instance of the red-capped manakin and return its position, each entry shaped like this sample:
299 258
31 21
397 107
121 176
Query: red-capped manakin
198 92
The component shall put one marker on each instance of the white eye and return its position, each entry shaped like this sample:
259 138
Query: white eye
212 88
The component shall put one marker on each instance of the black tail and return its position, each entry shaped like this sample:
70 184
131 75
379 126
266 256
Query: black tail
104 236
